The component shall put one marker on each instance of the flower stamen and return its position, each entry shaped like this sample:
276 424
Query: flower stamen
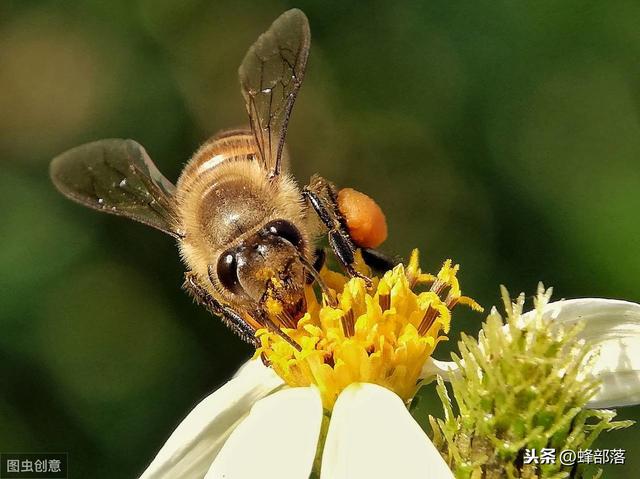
428 319
348 321
382 335
439 287
384 300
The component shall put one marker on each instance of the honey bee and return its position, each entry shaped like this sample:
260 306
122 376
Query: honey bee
243 226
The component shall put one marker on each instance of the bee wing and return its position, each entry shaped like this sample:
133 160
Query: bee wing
270 76
118 177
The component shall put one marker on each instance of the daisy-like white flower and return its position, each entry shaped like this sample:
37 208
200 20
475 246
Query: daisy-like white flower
337 406
611 327
234 434
530 382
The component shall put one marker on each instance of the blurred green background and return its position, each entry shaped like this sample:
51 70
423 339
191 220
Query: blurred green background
502 134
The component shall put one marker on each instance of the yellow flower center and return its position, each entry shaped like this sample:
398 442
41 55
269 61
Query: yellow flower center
380 335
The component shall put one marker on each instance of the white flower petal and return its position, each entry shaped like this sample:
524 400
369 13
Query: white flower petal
433 367
278 439
191 448
614 327
372 435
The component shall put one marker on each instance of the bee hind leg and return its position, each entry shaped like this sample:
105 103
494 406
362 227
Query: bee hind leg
231 318
322 197
378 260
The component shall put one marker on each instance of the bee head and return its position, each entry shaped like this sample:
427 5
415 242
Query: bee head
267 264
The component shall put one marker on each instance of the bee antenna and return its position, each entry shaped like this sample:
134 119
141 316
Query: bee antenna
275 329
316 276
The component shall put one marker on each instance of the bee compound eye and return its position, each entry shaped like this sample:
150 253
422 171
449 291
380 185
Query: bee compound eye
227 271
285 230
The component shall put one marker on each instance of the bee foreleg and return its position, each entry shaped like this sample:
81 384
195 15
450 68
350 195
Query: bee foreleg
322 197
231 318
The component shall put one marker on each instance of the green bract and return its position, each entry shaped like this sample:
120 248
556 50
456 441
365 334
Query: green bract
520 385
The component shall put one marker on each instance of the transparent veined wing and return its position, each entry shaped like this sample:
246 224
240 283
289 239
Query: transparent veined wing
270 76
118 177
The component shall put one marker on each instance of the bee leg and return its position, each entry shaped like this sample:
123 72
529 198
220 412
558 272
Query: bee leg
378 260
320 257
322 197
231 318
313 274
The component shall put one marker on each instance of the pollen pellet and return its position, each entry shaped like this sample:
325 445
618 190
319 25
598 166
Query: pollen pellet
365 220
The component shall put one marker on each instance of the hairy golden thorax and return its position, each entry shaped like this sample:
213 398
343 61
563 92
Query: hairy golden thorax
224 197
